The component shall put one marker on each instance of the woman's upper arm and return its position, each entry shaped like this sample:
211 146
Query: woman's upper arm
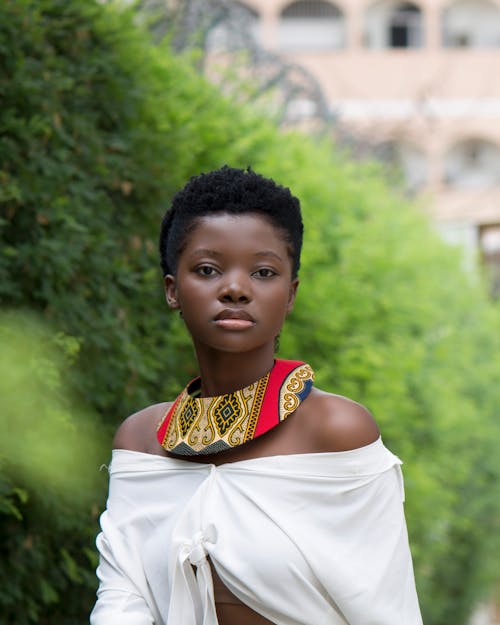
138 432
342 424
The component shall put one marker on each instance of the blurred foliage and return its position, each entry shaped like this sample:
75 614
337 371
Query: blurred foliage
38 416
98 128
388 318
50 486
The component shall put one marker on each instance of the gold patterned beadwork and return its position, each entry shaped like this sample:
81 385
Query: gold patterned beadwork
230 419
212 424
293 388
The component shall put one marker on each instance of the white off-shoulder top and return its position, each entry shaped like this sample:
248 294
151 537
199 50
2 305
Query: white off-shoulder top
309 539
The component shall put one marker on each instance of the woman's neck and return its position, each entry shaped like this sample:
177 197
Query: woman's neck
223 373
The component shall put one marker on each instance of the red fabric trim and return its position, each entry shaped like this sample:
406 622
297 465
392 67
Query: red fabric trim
162 430
269 414
270 411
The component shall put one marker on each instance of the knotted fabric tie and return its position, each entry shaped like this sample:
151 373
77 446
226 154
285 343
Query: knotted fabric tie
192 595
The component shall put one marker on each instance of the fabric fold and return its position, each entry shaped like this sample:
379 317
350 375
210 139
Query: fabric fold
301 539
192 596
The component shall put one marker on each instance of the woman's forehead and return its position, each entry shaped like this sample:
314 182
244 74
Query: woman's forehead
236 234
224 225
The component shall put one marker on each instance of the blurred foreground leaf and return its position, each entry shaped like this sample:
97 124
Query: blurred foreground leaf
48 439
51 447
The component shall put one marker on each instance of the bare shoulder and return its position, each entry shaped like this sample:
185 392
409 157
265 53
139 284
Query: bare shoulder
138 432
339 423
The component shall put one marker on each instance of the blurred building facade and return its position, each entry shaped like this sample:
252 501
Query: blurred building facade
417 81
420 83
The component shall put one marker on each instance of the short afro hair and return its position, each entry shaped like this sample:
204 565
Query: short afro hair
235 192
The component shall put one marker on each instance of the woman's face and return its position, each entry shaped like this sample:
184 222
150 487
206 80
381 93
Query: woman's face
233 283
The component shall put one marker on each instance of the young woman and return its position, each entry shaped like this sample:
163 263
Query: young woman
255 498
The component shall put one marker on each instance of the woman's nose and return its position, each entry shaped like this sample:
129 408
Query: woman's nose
235 288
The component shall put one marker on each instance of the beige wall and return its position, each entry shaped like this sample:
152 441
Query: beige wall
429 97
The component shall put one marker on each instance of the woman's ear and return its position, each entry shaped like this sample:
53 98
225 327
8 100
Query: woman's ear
171 292
294 285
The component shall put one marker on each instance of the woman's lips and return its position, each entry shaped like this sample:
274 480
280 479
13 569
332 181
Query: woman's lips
234 320
234 324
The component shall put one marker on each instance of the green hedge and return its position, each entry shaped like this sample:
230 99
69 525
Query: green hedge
98 128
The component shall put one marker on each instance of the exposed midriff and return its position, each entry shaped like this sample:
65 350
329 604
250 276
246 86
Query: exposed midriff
230 610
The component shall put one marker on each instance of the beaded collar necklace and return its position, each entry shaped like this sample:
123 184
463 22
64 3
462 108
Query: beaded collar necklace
205 425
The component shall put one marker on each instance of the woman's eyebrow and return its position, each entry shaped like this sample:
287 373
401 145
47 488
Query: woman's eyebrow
203 251
206 252
268 253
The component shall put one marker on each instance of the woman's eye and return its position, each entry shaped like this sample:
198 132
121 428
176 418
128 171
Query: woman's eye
206 270
265 272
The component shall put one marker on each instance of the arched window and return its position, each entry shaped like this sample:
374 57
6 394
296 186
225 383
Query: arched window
473 164
310 8
235 28
390 24
471 24
405 27
311 25
300 109
489 243
409 159
249 12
